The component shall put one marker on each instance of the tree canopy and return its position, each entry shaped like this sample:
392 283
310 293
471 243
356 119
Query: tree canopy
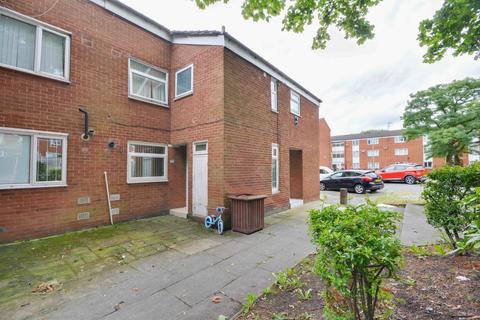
455 26
449 114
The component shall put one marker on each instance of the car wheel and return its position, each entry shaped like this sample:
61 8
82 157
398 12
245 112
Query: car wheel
410 180
359 189
322 187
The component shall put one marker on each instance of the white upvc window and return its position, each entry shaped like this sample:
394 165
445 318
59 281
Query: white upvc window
373 165
372 141
147 83
355 143
356 165
184 82
274 94
32 159
29 45
337 144
400 139
401 152
373 153
275 169
147 162
295 103
338 155
355 154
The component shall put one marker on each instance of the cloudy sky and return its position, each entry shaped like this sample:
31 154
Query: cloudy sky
363 87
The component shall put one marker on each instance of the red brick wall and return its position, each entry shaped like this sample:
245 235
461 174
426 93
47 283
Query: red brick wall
100 46
199 117
230 107
251 128
325 143
386 147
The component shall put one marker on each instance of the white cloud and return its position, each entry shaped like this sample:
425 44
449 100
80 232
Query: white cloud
363 87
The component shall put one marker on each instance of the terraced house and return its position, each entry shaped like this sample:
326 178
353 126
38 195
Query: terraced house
92 91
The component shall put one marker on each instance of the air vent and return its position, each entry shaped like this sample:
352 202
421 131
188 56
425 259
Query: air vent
115 211
83 200
83 216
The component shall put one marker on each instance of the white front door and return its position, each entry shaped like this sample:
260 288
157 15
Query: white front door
200 179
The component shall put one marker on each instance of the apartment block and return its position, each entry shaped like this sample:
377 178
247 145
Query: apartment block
95 94
377 149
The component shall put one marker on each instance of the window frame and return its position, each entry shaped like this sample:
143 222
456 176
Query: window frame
190 92
401 154
277 161
40 27
377 153
295 94
377 166
399 139
274 95
376 141
133 180
34 135
134 96
355 143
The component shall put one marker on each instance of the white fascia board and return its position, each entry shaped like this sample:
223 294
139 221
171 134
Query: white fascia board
134 18
218 40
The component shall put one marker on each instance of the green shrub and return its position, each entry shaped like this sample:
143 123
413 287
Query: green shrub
357 250
445 194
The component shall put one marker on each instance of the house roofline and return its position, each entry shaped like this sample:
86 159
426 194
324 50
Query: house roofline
368 135
203 37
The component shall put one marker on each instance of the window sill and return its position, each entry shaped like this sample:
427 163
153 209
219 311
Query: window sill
146 181
33 73
296 115
183 95
165 105
275 111
30 186
274 193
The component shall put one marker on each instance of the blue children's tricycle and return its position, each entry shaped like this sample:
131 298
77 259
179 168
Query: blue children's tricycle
215 219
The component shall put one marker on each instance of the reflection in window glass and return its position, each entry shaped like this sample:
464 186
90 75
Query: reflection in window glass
49 160
14 158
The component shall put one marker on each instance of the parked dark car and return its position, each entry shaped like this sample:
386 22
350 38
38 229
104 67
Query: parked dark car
358 181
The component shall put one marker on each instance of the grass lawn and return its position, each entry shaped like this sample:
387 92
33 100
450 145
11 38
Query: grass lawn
428 288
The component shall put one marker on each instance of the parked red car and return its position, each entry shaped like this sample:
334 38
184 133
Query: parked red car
410 173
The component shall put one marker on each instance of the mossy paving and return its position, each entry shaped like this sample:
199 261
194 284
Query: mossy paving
79 255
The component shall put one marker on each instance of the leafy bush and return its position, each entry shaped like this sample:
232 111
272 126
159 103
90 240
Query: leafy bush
357 250
445 194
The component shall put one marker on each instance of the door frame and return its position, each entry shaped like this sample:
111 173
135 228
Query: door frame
201 153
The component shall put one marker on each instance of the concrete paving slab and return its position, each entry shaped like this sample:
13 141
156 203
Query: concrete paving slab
196 246
254 281
160 306
201 285
192 264
415 229
207 310
242 262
